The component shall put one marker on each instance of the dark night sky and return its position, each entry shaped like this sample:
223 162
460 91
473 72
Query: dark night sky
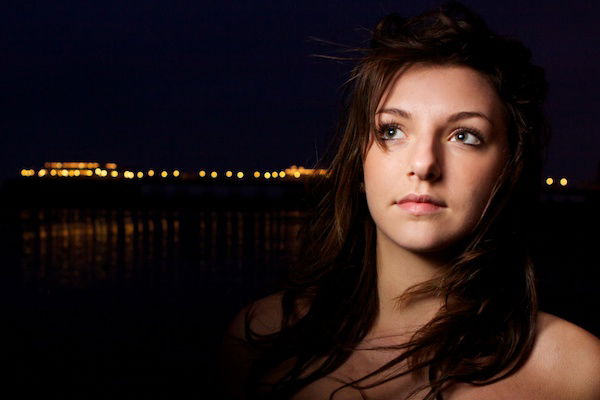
221 84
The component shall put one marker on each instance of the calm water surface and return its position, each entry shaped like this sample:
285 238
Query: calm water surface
133 302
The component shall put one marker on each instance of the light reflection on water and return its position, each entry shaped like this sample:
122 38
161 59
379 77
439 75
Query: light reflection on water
177 248
112 296
102 297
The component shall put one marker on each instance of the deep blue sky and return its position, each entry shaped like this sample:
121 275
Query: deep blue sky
221 84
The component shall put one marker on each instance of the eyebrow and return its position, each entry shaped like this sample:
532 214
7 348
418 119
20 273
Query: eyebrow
459 116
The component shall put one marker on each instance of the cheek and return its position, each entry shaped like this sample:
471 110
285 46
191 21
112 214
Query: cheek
375 181
481 181
377 169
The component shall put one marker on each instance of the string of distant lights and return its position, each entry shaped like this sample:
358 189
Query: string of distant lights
109 170
93 169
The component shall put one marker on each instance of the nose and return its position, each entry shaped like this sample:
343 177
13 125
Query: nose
425 159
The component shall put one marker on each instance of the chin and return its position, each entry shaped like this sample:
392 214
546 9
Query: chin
429 245
427 248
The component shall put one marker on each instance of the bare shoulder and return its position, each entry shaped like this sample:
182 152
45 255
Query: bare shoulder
237 355
565 359
264 316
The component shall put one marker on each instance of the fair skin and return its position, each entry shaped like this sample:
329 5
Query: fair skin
444 136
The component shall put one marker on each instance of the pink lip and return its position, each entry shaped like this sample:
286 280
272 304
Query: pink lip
420 204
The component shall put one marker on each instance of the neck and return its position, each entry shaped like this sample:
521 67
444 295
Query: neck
398 269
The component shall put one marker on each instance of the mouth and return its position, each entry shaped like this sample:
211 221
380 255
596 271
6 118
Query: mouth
421 204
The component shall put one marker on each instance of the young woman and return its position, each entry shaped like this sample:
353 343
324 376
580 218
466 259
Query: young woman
415 280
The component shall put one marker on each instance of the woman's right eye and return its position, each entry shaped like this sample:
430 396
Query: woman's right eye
390 132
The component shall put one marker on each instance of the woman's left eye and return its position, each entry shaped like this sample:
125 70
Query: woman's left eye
466 137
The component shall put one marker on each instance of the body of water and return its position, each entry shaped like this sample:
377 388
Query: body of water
132 302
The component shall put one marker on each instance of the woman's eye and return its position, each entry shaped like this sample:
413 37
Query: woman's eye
466 137
389 132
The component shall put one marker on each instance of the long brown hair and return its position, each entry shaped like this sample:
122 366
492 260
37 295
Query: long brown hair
486 332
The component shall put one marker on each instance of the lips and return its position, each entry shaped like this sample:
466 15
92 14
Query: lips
421 204
422 198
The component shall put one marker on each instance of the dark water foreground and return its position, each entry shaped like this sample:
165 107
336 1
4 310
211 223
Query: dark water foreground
131 302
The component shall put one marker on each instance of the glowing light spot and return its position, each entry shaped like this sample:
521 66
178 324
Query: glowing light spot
53 172
77 172
164 174
282 174
114 174
81 165
202 174
240 175
274 174
64 172
111 165
563 182
296 174
176 173
256 174
103 172
59 165
214 174
267 175
24 172
549 181
140 174
228 174
151 172
42 172
89 172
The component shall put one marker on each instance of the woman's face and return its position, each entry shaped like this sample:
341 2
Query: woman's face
444 145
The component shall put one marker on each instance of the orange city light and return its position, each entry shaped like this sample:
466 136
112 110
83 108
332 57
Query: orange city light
563 182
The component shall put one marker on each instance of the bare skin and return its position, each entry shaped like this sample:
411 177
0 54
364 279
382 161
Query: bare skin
445 137
564 364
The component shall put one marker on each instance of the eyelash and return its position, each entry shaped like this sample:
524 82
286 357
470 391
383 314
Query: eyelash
471 131
387 127
383 128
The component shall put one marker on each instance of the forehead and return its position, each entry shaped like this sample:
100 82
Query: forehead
432 89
